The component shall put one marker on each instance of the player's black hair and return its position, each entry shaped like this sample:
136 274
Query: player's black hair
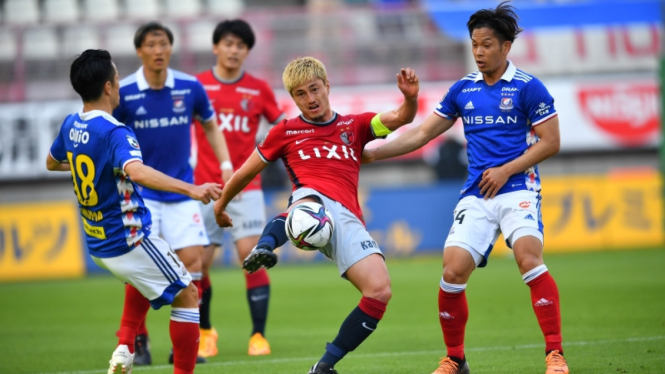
89 73
237 27
502 19
148 28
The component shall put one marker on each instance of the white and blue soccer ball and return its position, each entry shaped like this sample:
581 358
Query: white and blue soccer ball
309 226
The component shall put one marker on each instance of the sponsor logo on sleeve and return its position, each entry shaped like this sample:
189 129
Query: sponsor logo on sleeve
133 142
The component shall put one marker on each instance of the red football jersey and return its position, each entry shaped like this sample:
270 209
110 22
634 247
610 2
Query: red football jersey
325 157
239 106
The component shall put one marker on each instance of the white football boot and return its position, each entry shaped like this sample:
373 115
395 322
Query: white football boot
121 361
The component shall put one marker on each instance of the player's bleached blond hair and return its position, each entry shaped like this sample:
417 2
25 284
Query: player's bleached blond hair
301 71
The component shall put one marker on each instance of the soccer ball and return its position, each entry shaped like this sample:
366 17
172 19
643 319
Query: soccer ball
309 226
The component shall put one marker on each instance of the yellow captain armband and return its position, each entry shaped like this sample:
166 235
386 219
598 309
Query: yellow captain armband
380 130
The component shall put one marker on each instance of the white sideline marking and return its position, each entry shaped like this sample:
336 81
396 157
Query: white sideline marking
386 354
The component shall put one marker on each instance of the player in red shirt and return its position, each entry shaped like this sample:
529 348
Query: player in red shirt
240 100
321 151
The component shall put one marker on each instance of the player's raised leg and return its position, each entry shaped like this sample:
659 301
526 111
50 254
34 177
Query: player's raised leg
544 297
458 264
370 277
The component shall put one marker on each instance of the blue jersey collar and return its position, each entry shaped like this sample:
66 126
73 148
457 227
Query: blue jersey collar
87 116
143 85
507 76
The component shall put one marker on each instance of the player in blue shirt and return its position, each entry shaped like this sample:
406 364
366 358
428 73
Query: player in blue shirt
510 125
106 164
160 104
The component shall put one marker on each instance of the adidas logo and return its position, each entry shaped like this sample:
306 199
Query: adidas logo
469 106
543 302
445 315
141 111
529 217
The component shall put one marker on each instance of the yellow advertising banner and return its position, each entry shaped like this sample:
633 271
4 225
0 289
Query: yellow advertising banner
40 241
614 211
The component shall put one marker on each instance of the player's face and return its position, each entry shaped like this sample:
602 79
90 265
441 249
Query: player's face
312 100
231 52
155 52
488 51
115 89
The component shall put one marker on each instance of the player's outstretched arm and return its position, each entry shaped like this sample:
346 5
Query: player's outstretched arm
241 178
54 165
151 178
409 140
218 143
408 83
546 147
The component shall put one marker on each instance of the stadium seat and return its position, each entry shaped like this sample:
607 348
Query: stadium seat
100 10
7 45
120 40
60 11
77 39
226 8
183 8
40 43
144 9
199 36
20 12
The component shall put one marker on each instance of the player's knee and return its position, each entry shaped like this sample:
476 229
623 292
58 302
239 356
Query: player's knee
454 276
381 292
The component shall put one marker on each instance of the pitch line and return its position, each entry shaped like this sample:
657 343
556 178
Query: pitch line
385 354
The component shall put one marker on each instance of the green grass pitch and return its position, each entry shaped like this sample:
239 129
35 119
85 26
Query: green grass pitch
613 306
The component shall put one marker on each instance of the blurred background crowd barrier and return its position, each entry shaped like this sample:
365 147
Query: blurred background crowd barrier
600 60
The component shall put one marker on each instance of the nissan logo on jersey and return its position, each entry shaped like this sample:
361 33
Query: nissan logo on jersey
162 122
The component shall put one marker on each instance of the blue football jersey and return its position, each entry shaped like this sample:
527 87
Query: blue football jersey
498 123
97 148
162 122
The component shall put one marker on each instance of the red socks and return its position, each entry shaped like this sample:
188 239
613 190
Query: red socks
453 314
257 279
133 316
545 301
184 328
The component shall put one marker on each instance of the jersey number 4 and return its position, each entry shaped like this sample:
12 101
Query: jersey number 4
460 216
83 169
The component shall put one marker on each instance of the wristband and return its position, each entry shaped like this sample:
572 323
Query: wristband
226 165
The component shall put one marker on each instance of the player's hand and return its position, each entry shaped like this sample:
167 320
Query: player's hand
367 156
206 192
223 219
492 181
408 83
258 258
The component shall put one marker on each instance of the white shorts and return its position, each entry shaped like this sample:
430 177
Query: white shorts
350 242
180 223
153 268
248 214
477 223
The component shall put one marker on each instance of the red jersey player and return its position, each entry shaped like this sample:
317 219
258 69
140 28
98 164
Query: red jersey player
240 100
321 151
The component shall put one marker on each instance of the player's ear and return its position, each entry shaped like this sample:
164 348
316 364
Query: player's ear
506 46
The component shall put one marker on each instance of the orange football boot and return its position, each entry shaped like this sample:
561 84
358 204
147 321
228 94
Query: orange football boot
556 364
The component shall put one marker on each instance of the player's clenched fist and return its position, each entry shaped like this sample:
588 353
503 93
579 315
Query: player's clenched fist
206 192
408 83
221 217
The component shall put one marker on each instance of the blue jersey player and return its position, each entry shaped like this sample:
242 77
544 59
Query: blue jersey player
106 163
160 104
510 125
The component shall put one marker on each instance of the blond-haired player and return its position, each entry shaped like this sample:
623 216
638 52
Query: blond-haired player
321 151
